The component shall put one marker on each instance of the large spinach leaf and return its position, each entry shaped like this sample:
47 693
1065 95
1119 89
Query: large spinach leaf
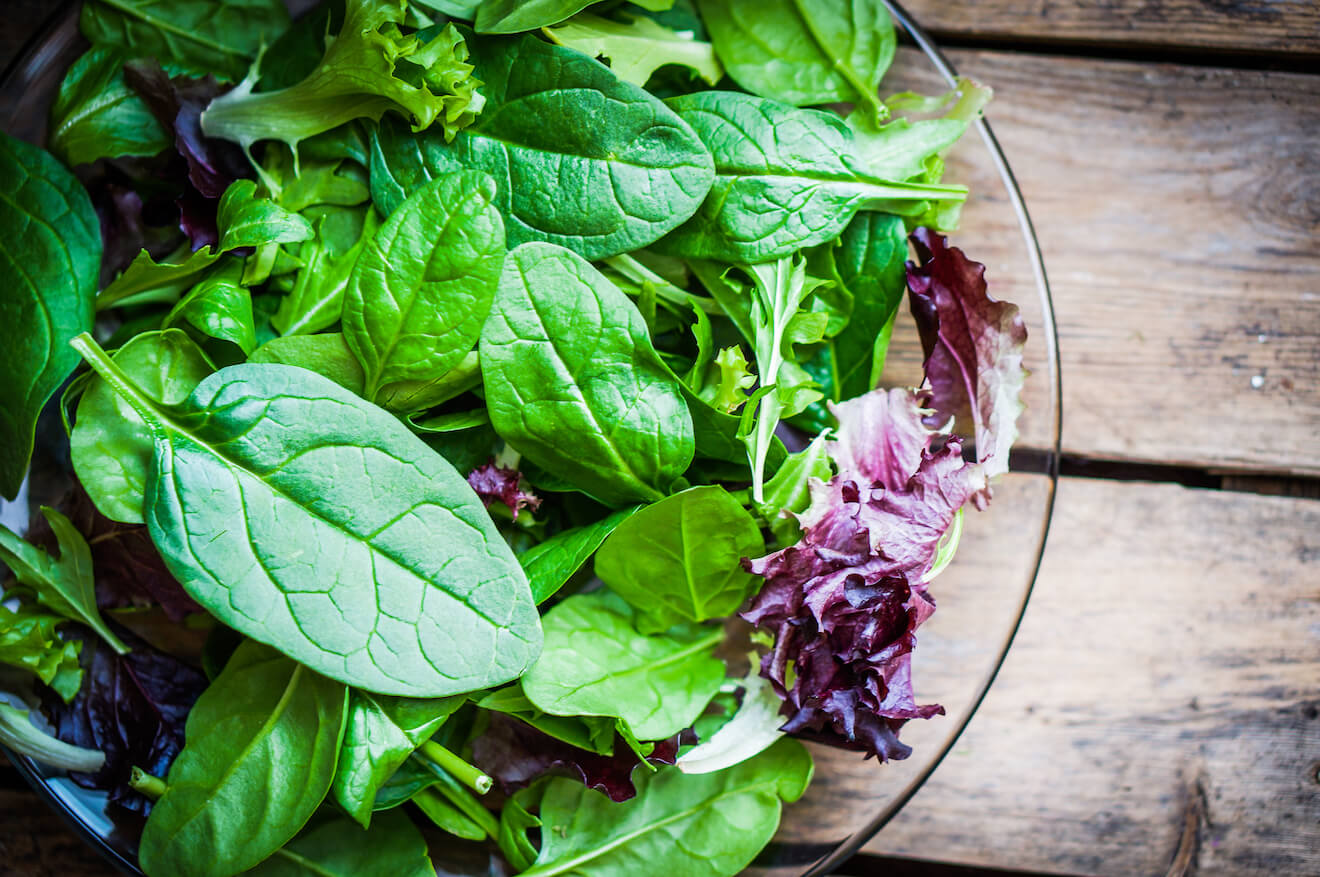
679 559
96 115
581 158
110 444
802 53
50 253
381 733
550 564
307 518
785 179
697 825
565 353
259 753
595 663
392 847
423 286
196 37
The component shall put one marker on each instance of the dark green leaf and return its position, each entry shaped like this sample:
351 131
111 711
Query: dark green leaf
582 158
392 847
96 115
515 822
593 733
305 517
50 253
218 306
267 726
515 16
550 564
788 492
679 559
565 353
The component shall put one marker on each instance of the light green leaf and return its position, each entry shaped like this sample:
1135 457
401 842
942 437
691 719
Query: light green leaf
338 848
218 306
28 640
327 354
550 564
788 492
636 48
514 16
19 734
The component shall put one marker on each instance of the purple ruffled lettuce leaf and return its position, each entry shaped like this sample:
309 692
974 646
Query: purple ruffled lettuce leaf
973 346
502 484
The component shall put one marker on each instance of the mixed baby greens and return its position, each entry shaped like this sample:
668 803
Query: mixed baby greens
481 412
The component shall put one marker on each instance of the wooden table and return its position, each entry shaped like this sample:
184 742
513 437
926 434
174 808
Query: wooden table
1160 710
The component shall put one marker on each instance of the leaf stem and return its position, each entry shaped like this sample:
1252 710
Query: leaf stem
122 384
639 273
147 784
469 775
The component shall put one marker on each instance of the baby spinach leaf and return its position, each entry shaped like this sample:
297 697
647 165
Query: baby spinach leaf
29 641
550 564
196 37
515 16
515 821
110 444
595 663
64 585
50 253
381 733
637 47
392 847
219 306
422 288
802 53
581 158
785 179
266 726
697 825
316 301
679 559
565 353
96 115
400 584
327 354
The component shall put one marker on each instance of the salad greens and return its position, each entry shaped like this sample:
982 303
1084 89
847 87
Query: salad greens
496 405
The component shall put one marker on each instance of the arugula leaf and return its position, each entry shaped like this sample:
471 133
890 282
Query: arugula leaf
370 68
595 663
110 444
96 115
64 585
786 179
402 585
422 288
636 48
196 37
339 848
698 825
678 559
824 51
381 733
565 353
18 734
218 306
565 174
28 641
49 257
550 564
266 723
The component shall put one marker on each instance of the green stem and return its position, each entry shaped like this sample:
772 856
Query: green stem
121 383
141 781
467 774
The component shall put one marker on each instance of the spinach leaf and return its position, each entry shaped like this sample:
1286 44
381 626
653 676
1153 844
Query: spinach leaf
50 253
638 47
316 301
422 288
788 492
515 16
18 734
593 733
267 726
801 53
29 641
392 847
196 37
400 583
785 179
327 354
110 444
697 825
581 158
96 115
515 821
679 559
64 585
550 564
565 353
381 733
595 663
219 306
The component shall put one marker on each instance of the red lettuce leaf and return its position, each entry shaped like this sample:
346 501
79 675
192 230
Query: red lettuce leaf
502 484
881 435
131 707
973 346
514 753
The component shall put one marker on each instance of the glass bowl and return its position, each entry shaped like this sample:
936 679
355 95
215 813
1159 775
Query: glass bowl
981 596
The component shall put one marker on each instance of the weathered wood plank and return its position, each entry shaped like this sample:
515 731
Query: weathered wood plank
1178 210
1169 661
1255 26
35 843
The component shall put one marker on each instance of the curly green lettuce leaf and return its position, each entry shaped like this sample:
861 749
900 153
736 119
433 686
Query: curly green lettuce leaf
638 47
28 641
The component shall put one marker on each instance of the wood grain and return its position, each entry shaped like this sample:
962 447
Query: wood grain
1168 665
1178 209
1285 27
